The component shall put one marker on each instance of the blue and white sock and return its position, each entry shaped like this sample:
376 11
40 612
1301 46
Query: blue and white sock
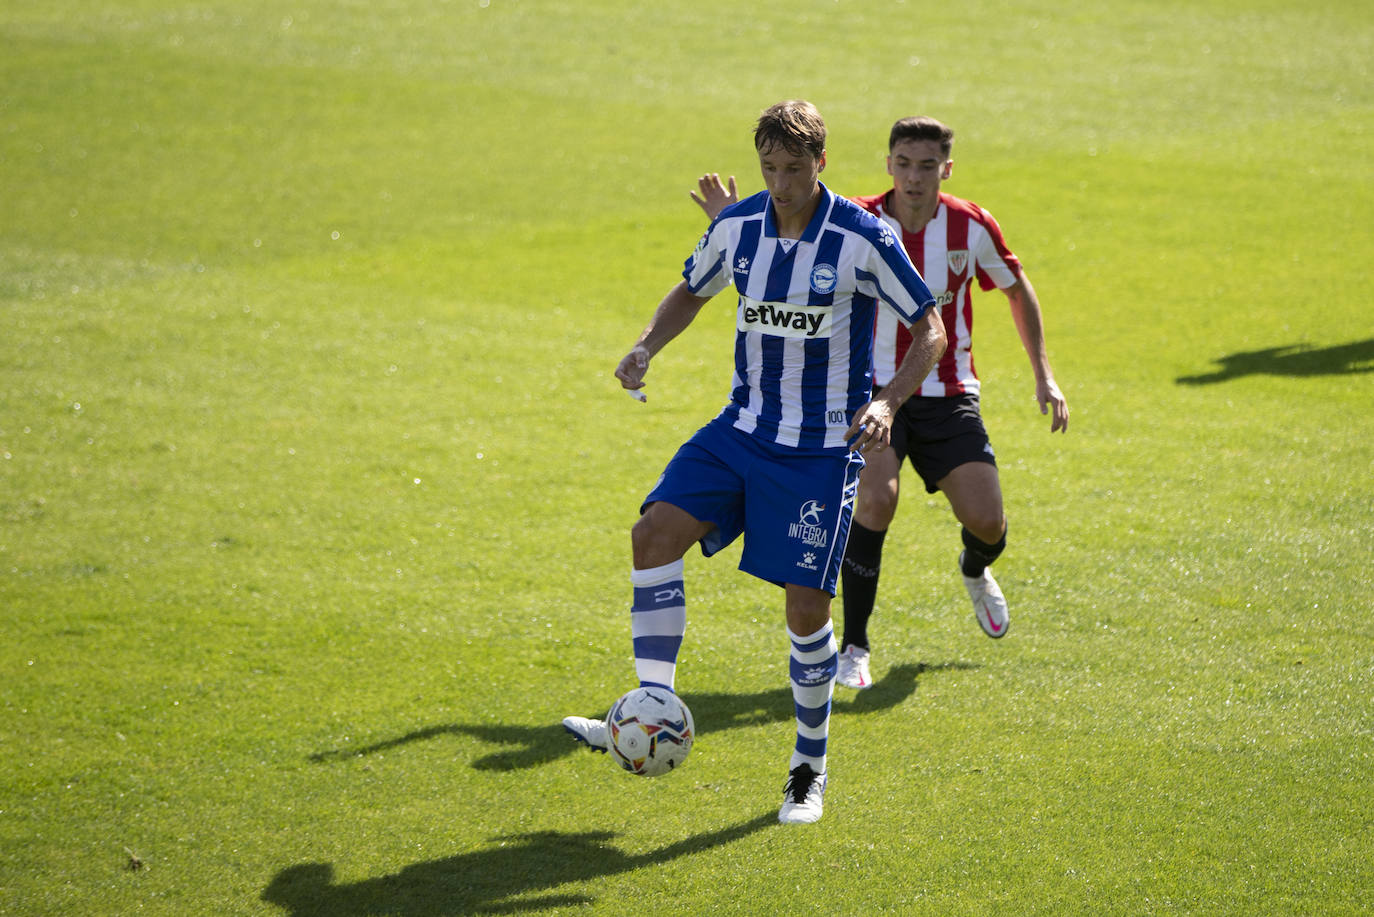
658 621
813 664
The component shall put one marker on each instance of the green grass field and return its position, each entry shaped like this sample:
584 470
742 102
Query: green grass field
315 485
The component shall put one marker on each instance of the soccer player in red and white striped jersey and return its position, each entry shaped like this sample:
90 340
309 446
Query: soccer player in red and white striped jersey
958 243
953 242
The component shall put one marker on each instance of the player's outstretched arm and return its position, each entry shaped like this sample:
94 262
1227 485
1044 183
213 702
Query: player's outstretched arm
1025 311
714 196
673 315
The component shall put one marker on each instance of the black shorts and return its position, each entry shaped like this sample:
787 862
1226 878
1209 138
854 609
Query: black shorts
939 435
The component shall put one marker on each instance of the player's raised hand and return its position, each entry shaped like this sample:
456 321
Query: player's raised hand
1049 397
632 368
714 197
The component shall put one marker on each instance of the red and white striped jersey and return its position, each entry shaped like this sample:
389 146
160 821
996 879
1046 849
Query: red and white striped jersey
960 242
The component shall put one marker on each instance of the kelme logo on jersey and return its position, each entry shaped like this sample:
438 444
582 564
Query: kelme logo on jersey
783 319
807 529
823 278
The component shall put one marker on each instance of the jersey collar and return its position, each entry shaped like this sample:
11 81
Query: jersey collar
813 229
885 205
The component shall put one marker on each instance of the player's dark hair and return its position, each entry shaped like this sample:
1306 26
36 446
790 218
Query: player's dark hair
794 125
922 129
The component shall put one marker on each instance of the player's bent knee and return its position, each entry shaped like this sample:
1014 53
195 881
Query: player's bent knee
988 528
875 511
646 540
662 535
808 609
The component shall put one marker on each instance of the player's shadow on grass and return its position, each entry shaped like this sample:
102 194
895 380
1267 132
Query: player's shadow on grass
529 746
487 881
1296 360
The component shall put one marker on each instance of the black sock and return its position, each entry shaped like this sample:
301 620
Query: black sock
863 558
978 555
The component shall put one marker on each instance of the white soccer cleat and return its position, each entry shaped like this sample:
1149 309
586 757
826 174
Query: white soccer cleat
591 733
989 605
853 670
803 797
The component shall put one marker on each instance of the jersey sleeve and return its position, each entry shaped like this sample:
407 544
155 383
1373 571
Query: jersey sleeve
705 271
996 265
888 275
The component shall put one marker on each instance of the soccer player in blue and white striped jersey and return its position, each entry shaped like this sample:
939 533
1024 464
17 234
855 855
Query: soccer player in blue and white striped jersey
779 465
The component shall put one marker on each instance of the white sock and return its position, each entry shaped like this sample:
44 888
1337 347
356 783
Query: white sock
814 660
658 621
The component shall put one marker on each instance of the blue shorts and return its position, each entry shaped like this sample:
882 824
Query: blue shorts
793 506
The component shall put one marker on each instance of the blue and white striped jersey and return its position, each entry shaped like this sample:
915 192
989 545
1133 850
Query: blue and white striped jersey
804 327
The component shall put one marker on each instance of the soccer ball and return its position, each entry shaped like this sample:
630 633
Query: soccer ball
650 731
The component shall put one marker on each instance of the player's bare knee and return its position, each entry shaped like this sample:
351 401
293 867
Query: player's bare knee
986 527
808 610
646 542
875 511
656 540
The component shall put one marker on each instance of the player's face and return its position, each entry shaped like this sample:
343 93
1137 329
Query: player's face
917 168
792 180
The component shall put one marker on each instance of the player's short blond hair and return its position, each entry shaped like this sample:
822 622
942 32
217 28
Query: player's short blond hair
794 125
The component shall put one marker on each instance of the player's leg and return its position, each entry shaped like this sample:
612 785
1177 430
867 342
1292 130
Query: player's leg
974 492
799 509
664 533
812 663
874 508
658 615
697 499
952 454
